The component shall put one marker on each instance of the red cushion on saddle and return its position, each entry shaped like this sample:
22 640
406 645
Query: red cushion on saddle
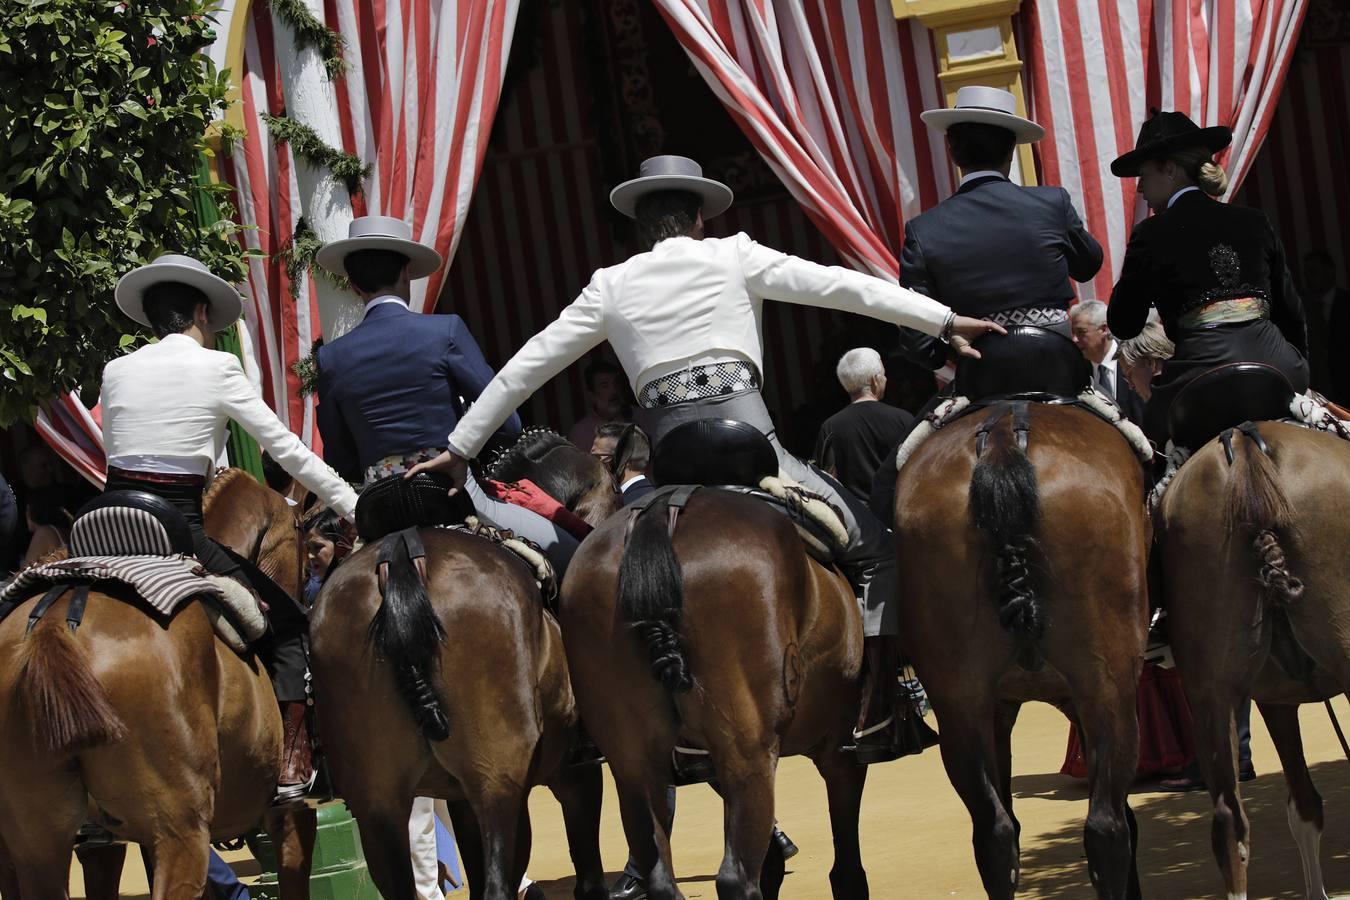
527 494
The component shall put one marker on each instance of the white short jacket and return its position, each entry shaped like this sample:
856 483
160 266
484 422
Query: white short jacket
174 399
683 300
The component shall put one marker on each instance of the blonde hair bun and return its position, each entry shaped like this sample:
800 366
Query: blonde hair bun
1213 179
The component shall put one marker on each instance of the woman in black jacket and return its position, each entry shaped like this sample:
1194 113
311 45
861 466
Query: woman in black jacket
1215 272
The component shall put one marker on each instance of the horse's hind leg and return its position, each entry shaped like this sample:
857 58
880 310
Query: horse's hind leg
844 782
746 786
1214 708
970 755
292 829
383 827
181 862
40 817
1110 728
579 791
1305 804
103 870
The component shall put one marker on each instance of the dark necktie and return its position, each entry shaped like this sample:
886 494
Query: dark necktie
1104 382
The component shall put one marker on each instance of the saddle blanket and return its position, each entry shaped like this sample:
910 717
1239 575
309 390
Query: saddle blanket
163 582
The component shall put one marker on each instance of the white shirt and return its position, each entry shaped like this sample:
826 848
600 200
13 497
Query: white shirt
982 173
1109 360
1185 190
682 300
630 482
387 298
166 407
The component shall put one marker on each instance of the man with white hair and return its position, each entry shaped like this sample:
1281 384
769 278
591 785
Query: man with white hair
1094 339
853 441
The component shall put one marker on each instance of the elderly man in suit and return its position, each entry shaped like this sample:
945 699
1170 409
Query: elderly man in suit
1093 337
994 249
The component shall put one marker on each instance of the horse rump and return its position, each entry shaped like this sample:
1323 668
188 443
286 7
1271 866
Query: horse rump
651 595
66 706
1005 504
1256 501
406 630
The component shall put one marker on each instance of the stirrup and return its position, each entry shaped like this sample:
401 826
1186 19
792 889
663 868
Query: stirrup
690 765
295 793
884 723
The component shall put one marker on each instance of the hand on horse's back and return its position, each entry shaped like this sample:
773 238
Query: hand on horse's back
451 464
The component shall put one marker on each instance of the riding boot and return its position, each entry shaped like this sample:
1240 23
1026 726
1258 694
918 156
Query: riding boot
297 756
877 737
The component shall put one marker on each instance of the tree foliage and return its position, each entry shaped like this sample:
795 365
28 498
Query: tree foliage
104 108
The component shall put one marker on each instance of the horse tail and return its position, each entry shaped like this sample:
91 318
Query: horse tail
1256 501
407 632
651 595
67 707
1005 504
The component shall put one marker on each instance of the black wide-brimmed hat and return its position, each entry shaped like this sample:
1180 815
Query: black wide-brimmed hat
1165 133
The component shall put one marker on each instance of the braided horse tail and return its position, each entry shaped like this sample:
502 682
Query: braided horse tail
1005 504
651 594
1257 502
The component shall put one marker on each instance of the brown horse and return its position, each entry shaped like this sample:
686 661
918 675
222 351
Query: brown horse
727 637
1047 570
159 732
490 659
1258 607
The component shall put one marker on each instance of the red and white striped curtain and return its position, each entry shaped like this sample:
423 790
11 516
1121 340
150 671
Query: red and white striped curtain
75 433
829 93
417 100
1096 69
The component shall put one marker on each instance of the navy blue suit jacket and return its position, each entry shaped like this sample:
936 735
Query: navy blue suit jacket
637 490
394 383
995 246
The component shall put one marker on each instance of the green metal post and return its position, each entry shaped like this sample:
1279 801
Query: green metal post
339 871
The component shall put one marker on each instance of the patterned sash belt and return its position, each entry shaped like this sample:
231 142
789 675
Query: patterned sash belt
400 463
1225 312
699 383
1040 316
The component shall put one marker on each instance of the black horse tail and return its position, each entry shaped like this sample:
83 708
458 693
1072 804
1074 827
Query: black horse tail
651 595
1256 501
1005 503
406 630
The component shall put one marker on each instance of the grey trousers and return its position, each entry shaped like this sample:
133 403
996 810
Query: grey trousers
557 543
870 558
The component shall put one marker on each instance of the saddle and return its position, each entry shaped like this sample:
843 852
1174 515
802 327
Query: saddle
396 503
142 542
736 457
1027 363
1225 397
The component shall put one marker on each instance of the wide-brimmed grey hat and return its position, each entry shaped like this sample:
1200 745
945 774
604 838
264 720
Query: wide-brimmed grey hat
985 106
672 173
380 233
226 304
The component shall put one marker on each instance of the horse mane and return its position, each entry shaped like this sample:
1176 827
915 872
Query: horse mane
218 485
532 445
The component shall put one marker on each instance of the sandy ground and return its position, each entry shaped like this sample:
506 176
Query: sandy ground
916 835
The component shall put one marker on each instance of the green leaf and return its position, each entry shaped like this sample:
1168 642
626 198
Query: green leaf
125 341
133 108
140 72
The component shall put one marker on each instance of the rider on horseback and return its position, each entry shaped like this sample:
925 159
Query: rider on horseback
165 411
995 248
684 320
378 419
1216 272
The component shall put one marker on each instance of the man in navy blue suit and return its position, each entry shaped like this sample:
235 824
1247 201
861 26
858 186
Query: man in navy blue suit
994 249
626 451
394 386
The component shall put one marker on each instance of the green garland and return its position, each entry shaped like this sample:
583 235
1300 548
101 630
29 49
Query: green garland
307 145
307 370
230 136
298 257
310 32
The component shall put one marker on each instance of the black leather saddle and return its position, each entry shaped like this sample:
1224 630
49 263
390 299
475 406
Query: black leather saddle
395 503
130 523
1027 361
714 452
1225 397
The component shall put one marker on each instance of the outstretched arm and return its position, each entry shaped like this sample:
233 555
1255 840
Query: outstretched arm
240 402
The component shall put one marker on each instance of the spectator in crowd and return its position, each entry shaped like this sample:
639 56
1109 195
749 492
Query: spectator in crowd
853 442
626 452
327 541
605 399
48 521
38 467
1328 311
1141 359
1094 339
